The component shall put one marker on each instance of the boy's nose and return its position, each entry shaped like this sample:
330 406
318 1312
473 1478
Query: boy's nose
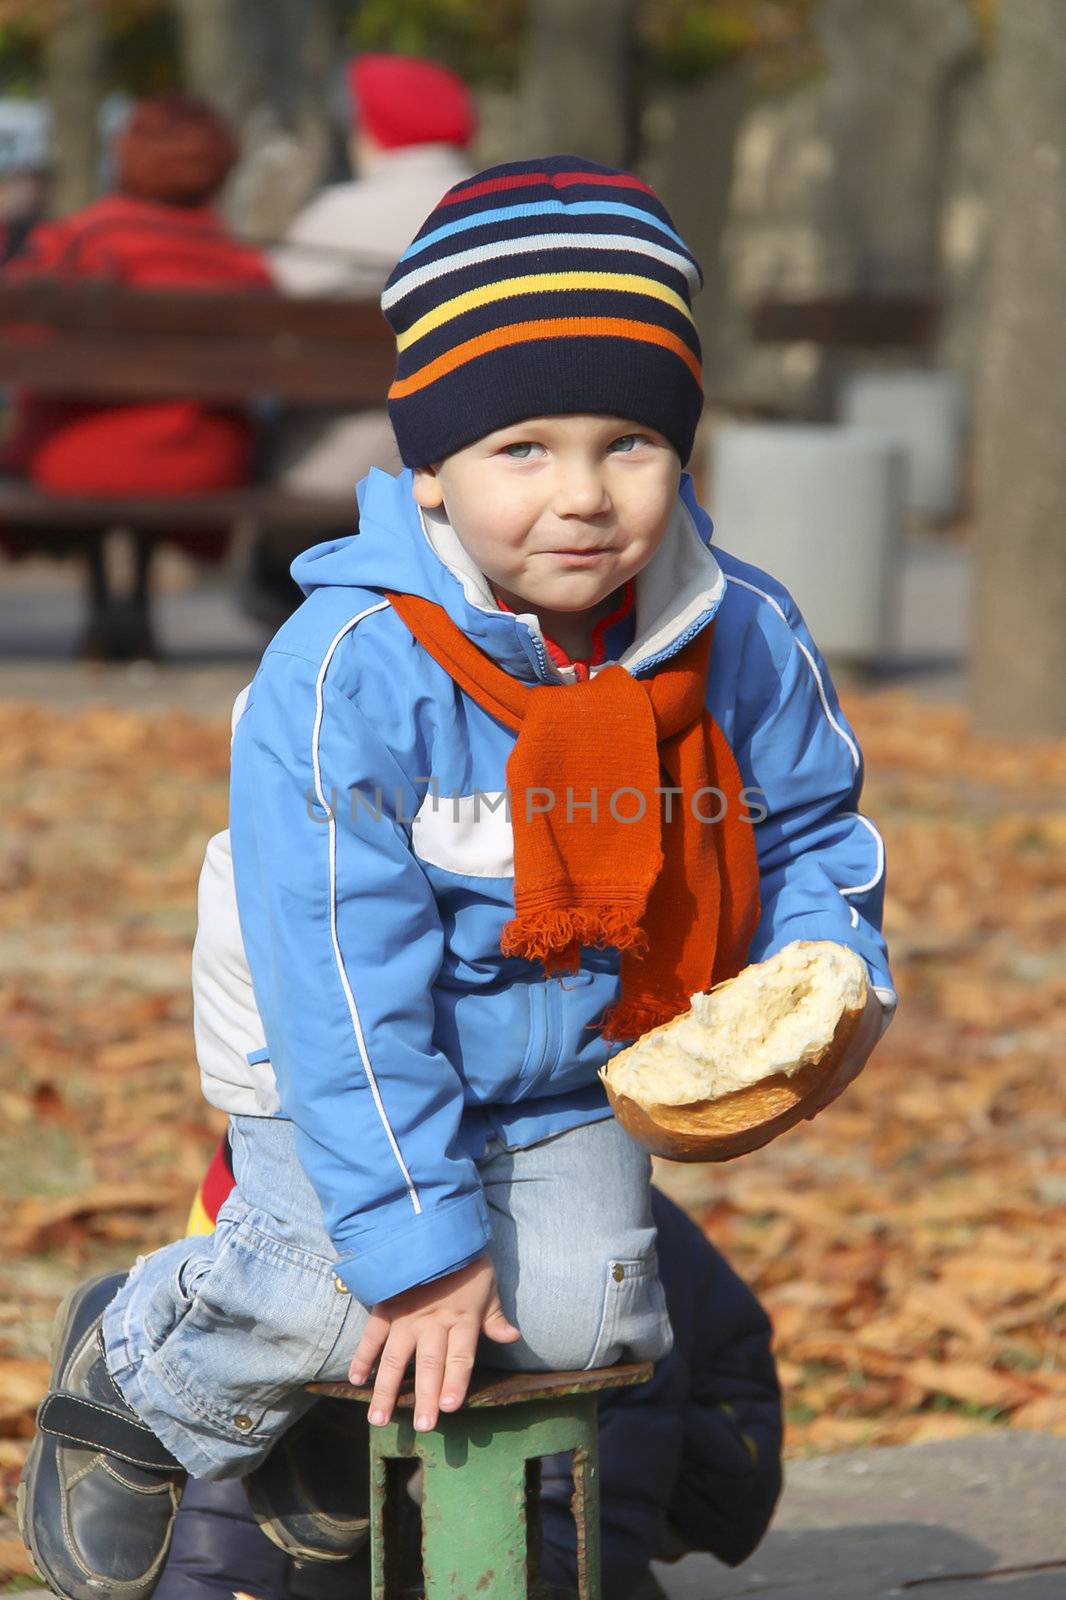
581 493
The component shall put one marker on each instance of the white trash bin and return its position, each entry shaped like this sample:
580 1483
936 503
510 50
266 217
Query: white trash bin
927 413
820 508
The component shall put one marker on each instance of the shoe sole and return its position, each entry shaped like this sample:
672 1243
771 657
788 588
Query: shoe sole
270 1529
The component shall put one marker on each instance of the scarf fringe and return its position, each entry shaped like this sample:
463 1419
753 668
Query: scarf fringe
554 936
632 1018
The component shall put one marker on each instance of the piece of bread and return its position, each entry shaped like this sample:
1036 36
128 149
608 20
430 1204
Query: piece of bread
746 1061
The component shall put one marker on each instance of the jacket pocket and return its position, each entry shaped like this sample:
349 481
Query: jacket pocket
561 1006
549 1027
490 1036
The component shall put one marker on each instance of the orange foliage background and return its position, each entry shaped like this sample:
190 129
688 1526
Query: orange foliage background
910 1243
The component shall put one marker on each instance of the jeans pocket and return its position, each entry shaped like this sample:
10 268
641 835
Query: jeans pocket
634 1323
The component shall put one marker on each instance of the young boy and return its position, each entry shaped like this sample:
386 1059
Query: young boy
496 808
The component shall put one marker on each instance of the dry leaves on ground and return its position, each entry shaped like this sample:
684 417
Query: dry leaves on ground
910 1243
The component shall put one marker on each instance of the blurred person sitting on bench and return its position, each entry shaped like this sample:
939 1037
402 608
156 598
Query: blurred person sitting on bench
156 231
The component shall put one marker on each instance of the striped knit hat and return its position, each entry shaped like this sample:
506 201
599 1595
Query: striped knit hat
541 288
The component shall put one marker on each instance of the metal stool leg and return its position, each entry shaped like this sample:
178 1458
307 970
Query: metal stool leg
475 1538
474 1516
586 1503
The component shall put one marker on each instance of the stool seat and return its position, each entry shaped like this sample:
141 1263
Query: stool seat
489 1388
480 1481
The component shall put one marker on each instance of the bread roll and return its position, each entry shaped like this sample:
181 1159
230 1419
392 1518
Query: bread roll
746 1061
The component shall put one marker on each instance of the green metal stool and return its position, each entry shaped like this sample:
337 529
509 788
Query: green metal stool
481 1481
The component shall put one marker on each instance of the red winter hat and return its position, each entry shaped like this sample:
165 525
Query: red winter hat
175 150
402 100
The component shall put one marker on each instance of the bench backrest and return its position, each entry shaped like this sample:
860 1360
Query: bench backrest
101 340
862 320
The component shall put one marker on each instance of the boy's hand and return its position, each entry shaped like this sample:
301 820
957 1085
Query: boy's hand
855 1056
438 1323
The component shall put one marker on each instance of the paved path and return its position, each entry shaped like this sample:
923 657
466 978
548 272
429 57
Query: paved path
976 1519
211 648
910 1522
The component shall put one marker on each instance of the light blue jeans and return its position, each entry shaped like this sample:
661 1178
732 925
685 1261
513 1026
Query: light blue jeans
212 1339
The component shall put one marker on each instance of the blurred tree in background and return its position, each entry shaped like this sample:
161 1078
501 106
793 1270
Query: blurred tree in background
139 42
580 69
1020 625
682 40
73 61
271 66
595 75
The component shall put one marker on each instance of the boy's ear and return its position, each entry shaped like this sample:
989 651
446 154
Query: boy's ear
427 490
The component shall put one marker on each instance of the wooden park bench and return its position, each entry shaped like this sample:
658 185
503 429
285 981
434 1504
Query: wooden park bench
99 341
867 323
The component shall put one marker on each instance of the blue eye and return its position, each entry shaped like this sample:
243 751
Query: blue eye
627 443
521 451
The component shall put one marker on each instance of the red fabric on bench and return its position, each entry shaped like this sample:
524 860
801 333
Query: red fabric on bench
159 447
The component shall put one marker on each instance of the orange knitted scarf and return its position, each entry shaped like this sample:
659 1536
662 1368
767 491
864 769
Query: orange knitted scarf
602 856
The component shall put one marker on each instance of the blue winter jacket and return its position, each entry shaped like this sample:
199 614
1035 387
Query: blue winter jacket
372 858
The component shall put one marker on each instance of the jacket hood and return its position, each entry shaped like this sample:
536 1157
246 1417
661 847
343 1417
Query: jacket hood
402 548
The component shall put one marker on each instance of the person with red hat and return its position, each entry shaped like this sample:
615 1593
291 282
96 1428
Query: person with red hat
412 122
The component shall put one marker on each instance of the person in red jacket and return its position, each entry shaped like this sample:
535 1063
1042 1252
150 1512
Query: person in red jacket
156 231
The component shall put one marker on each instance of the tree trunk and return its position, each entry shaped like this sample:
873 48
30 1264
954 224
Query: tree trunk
1019 678
575 92
267 65
207 34
837 185
72 71
678 120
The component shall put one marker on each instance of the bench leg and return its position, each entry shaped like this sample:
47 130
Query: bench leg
119 627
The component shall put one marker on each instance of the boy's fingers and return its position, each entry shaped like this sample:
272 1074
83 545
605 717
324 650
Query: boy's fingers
496 1326
368 1349
462 1348
429 1375
399 1348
